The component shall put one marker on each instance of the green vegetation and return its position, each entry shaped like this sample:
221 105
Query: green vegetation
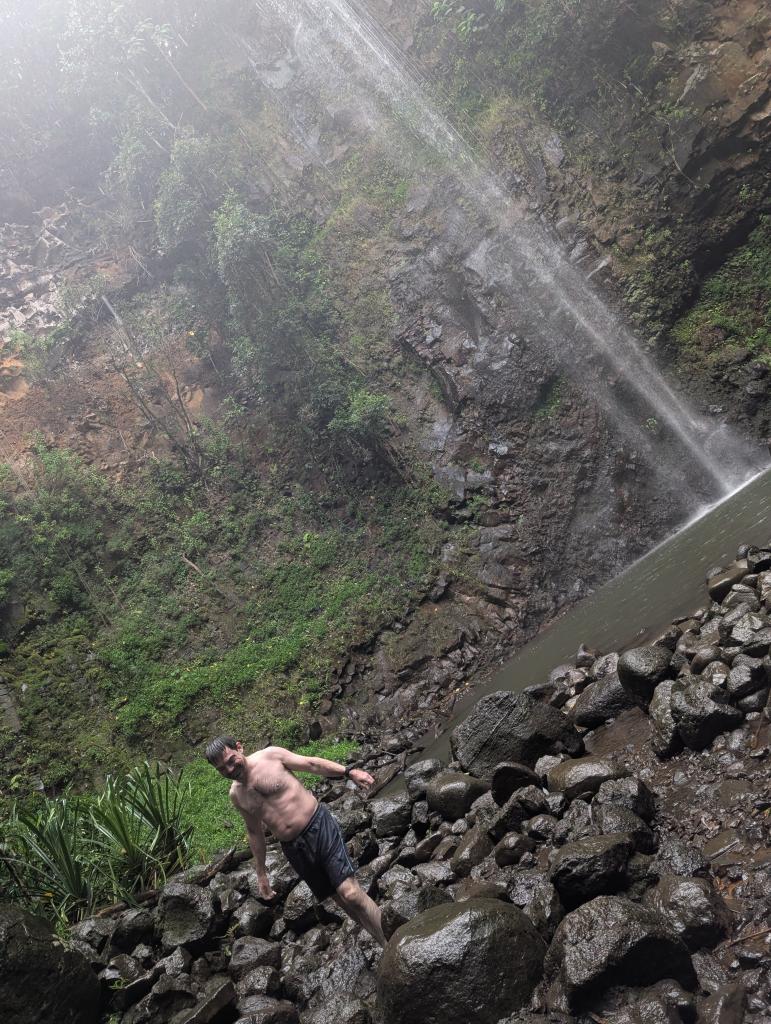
733 310
139 609
65 857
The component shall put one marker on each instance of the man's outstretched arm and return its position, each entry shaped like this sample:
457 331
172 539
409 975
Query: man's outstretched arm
320 766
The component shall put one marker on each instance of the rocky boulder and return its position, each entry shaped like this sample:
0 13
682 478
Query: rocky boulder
581 776
699 711
506 726
186 914
41 980
477 960
693 909
602 700
451 794
591 867
611 941
641 669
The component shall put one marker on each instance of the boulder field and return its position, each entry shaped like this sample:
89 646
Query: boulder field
604 865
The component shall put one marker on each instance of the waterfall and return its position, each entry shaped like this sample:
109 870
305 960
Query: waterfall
346 56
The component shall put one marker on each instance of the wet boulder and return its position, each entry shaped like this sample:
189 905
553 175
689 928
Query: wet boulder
41 980
695 911
665 739
607 942
591 867
510 776
250 952
418 775
532 892
186 914
473 848
451 794
613 818
252 918
581 776
344 1009
700 712
391 816
266 1010
408 903
522 804
476 960
602 700
631 793
505 726
641 669
720 582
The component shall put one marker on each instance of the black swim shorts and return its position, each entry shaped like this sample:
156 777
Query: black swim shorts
318 854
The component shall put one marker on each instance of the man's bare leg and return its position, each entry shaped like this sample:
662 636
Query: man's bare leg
358 906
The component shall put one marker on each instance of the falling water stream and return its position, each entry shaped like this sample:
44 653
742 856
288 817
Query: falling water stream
349 59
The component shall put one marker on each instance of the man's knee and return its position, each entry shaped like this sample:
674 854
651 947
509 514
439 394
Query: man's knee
350 893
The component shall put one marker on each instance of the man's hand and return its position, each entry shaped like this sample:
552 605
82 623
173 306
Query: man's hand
264 887
362 779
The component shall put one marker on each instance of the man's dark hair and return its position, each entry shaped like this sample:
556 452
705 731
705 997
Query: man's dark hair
216 748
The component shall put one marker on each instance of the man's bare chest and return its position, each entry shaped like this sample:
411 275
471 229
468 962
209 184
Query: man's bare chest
264 784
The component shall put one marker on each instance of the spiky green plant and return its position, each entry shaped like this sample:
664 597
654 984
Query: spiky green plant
55 857
66 856
158 797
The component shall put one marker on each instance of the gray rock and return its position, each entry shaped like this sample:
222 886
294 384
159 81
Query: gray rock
726 1006
745 677
473 848
576 824
186 914
719 584
705 656
134 927
607 942
532 892
523 804
602 700
391 815
505 726
676 857
665 739
265 1010
641 669
510 776
418 775
170 996
699 712
511 848
259 981
250 952
694 910
453 964
344 1009
352 819
581 776
591 867
408 903
252 918
451 794
758 559
631 793
613 818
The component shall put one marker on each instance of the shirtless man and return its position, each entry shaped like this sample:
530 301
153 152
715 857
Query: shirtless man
266 793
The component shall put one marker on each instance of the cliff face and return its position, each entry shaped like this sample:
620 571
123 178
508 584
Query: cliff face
411 269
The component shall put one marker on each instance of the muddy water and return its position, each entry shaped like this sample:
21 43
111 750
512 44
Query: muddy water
639 603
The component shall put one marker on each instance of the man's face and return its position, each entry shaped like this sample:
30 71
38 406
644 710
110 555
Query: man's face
233 763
